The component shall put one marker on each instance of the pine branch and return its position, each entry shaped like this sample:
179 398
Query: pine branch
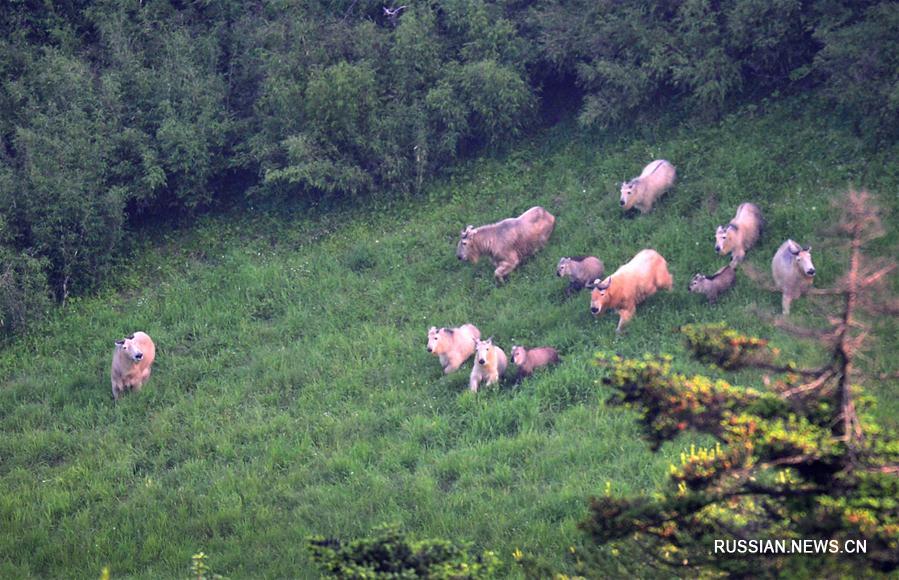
808 387
888 469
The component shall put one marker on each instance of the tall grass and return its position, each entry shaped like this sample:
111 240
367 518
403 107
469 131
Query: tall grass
292 393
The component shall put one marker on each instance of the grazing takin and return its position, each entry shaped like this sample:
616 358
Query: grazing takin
131 362
581 270
715 285
740 234
453 345
527 360
489 364
793 271
630 285
507 242
642 192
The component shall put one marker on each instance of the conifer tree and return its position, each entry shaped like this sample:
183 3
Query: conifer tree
800 459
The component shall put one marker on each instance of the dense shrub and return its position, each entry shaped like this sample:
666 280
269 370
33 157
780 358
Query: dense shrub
391 554
113 109
169 97
58 201
385 105
24 292
861 63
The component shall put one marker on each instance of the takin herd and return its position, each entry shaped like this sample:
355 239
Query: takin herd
511 241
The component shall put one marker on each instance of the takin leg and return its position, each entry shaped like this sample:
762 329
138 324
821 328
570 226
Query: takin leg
451 365
624 317
504 266
473 381
502 271
520 376
444 361
785 303
136 386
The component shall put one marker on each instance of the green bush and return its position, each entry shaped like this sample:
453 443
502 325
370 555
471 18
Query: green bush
24 292
169 98
58 202
391 554
111 111
861 64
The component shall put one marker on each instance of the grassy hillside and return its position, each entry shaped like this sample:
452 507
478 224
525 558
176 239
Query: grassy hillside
292 393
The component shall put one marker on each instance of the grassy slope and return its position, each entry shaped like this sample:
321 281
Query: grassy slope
292 393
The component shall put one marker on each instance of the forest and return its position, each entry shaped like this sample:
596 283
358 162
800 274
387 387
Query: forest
117 113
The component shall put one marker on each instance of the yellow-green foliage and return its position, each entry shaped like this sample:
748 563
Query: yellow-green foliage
774 470
725 347
670 402
390 554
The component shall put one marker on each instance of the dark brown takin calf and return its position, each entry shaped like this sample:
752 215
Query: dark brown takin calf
581 271
528 360
715 285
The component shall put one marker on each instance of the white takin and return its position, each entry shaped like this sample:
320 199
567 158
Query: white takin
131 362
740 234
793 272
642 192
452 346
489 364
507 242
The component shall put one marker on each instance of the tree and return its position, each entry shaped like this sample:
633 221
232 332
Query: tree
801 461
860 63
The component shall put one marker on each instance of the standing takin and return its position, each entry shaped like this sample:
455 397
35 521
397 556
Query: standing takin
453 345
528 360
630 285
740 234
131 362
489 364
507 242
793 272
642 192
581 270
715 285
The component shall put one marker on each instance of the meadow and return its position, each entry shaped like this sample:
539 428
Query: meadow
292 393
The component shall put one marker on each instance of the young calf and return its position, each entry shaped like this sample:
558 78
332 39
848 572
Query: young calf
131 362
581 270
642 192
793 272
453 345
630 285
715 285
489 364
507 242
740 234
527 360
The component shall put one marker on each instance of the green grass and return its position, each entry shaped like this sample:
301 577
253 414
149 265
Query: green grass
292 393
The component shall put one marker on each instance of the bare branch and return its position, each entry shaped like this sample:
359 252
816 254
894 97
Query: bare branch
808 387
